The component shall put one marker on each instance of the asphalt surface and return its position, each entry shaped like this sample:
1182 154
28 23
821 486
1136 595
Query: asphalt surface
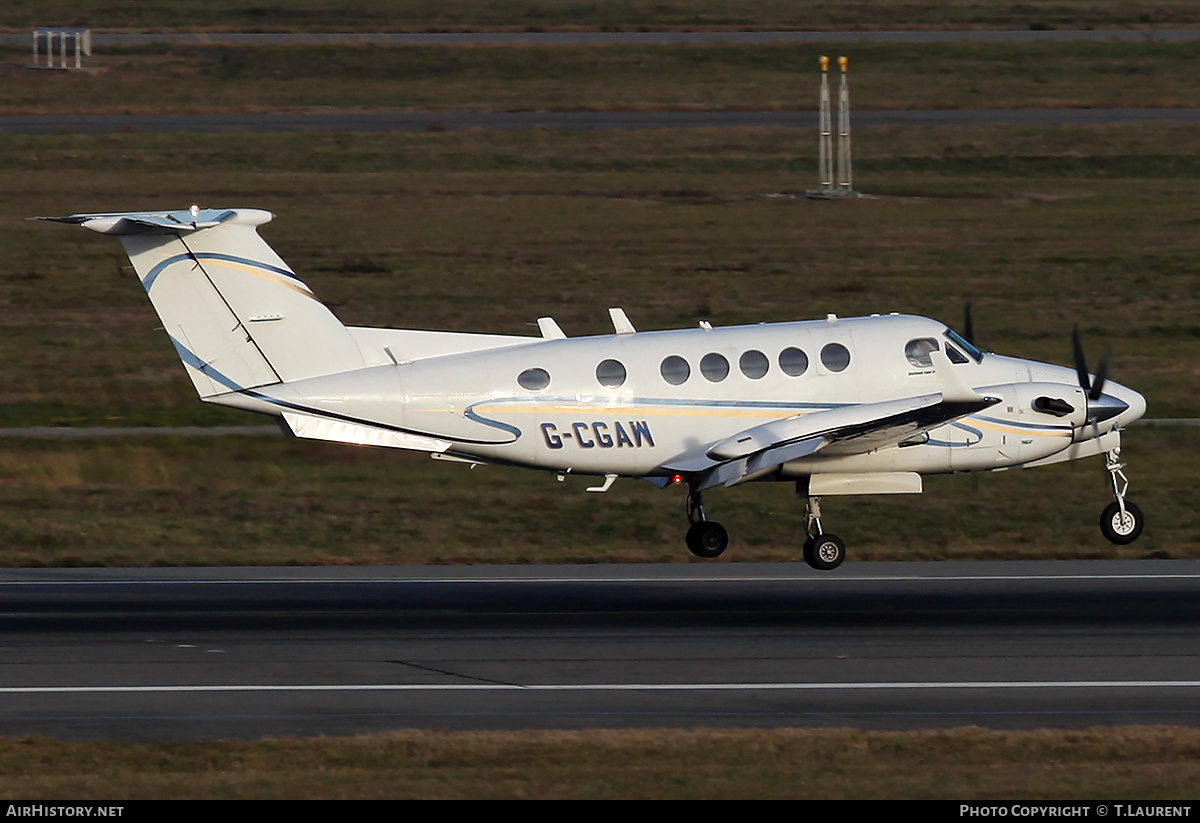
243 653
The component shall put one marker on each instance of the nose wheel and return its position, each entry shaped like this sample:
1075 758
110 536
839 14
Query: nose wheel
705 538
1121 522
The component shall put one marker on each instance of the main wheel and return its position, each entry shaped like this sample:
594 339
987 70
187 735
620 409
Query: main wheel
824 552
707 539
1122 530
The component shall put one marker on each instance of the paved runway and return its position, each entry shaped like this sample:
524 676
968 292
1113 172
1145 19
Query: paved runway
242 653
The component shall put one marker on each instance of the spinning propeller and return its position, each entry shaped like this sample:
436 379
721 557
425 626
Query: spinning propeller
1101 406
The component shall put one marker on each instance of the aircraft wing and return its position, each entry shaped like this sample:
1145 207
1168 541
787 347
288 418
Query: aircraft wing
852 429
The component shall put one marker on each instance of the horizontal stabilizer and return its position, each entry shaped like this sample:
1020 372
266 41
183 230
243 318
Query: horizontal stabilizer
159 222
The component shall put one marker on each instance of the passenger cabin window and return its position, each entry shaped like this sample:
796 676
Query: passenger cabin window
714 367
918 351
754 364
610 373
835 357
534 379
793 361
675 370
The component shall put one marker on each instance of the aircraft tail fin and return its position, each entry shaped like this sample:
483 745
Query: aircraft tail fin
238 315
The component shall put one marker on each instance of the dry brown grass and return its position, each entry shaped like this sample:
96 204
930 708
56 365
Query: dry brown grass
575 15
1130 763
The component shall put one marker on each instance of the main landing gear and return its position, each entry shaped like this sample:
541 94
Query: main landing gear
822 550
708 538
705 538
1121 522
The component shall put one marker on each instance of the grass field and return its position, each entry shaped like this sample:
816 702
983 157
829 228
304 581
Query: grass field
609 15
250 501
771 76
487 231
1143 763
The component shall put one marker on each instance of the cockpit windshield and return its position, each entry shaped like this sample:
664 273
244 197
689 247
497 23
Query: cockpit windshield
962 343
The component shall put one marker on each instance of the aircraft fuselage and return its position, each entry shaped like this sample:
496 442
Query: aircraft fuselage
646 403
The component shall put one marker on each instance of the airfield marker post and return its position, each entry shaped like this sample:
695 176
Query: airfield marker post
825 172
827 188
80 40
844 130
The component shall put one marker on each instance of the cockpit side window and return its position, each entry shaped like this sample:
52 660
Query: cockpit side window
917 351
955 355
958 340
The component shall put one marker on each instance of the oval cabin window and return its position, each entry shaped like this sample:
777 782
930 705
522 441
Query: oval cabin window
675 370
714 367
610 373
534 379
835 357
793 361
754 364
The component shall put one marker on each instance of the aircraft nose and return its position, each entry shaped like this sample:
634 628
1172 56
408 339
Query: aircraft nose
1105 407
1120 402
1137 406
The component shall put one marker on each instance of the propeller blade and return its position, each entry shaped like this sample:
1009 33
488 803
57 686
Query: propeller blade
1101 374
968 325
1081 369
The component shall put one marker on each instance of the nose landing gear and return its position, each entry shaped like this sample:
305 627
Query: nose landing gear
1121 521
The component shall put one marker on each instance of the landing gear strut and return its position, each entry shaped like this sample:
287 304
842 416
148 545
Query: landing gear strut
1121 522
822 551
705 538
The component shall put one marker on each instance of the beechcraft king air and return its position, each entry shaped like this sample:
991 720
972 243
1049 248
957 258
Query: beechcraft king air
838 406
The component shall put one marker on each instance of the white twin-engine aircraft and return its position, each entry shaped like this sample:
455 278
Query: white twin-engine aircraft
839 406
